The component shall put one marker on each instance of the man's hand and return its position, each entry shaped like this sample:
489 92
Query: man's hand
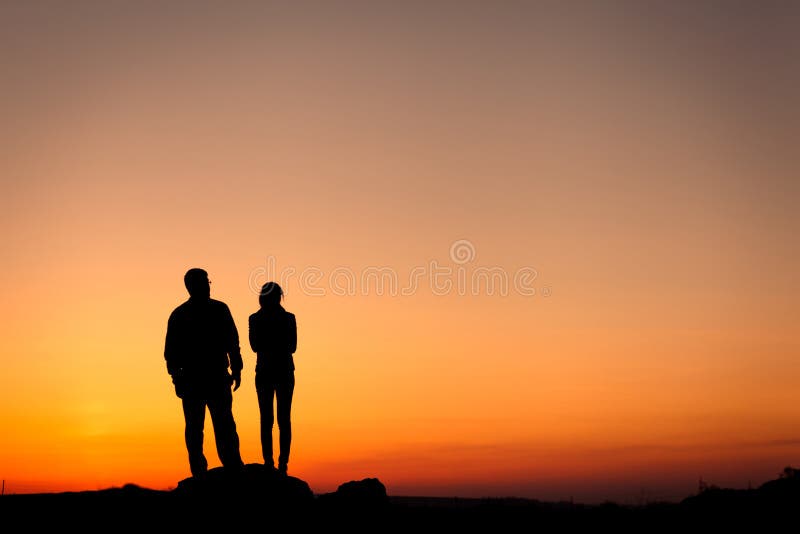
180 384
237 380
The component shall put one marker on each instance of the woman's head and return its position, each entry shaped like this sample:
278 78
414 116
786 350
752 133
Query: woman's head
271 295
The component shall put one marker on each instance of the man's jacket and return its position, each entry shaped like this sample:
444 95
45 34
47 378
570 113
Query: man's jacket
202 343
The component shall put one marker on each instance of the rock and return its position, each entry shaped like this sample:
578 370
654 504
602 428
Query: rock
368 493
253 484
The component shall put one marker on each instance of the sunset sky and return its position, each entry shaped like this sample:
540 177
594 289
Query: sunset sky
535 249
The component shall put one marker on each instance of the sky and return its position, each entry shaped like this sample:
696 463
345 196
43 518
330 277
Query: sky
534 249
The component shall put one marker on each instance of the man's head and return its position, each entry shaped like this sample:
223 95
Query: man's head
197 284
271 294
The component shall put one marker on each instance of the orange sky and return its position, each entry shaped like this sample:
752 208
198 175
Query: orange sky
640 160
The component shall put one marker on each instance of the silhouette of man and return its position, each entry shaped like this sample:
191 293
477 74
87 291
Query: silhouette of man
202 342
273 337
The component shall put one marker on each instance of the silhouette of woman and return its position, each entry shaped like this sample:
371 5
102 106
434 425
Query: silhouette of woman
273 337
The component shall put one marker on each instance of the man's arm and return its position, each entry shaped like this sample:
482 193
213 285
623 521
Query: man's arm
172 348
173 354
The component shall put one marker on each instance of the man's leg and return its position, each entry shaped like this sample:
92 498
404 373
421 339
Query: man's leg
283 393
221 408
194 415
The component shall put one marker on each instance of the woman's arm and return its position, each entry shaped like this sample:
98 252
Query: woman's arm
252 328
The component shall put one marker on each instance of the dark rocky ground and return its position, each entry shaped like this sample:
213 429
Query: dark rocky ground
258 499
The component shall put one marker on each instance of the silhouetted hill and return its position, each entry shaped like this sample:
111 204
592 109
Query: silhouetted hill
259 497
773 497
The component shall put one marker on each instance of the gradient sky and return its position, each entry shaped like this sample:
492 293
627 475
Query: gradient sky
640 157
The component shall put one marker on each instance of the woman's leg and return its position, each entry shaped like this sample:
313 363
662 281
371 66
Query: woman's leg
284 392
266 393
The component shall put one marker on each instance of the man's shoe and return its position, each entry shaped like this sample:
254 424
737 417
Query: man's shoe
282 468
